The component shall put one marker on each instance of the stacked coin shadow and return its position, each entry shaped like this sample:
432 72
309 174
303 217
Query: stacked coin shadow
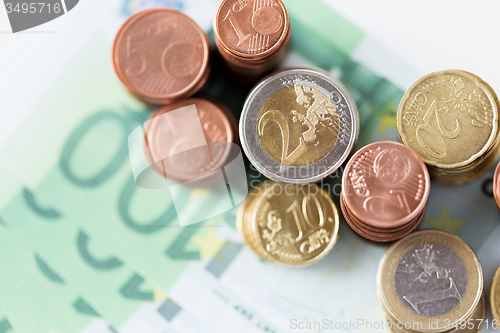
450 118
385 187
431 281
290 224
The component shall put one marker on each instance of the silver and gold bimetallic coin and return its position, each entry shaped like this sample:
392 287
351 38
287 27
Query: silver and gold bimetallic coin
495 299
431 281
290 224
298 126
450 118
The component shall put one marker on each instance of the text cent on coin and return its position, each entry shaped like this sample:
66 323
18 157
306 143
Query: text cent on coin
298 126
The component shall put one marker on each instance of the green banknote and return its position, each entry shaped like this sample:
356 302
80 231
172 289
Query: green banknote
20 316
111 288
38 285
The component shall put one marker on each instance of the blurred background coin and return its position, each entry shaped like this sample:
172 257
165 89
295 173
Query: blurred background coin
385 187
161 56
450 118
298 126
250 35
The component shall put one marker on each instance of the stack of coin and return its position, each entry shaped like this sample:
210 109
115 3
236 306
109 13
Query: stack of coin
495 300
250 35
161 56
450 118
218 125
496 185
290 224
385 187
298 126
431 281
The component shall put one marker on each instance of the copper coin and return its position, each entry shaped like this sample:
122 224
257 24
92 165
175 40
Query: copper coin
161 55
385 185
496 185
251 29
380 235
167 140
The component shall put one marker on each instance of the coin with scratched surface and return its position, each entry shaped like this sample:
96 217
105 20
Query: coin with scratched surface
495 297
430 277
298 126
161 55
450 118
295 224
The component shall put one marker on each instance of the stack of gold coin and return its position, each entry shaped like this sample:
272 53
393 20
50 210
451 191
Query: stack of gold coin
290 224
450 118
385 187
250 35
495 300
431 281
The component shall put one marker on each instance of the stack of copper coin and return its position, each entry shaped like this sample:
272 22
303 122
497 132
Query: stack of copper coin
166 152
431 282
496 185
290 224
161 56
438 117
385 187
250 35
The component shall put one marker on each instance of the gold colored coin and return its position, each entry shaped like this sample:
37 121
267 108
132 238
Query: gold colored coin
430 277
450 118
495 297
472 325
301 117
243 220
295 224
